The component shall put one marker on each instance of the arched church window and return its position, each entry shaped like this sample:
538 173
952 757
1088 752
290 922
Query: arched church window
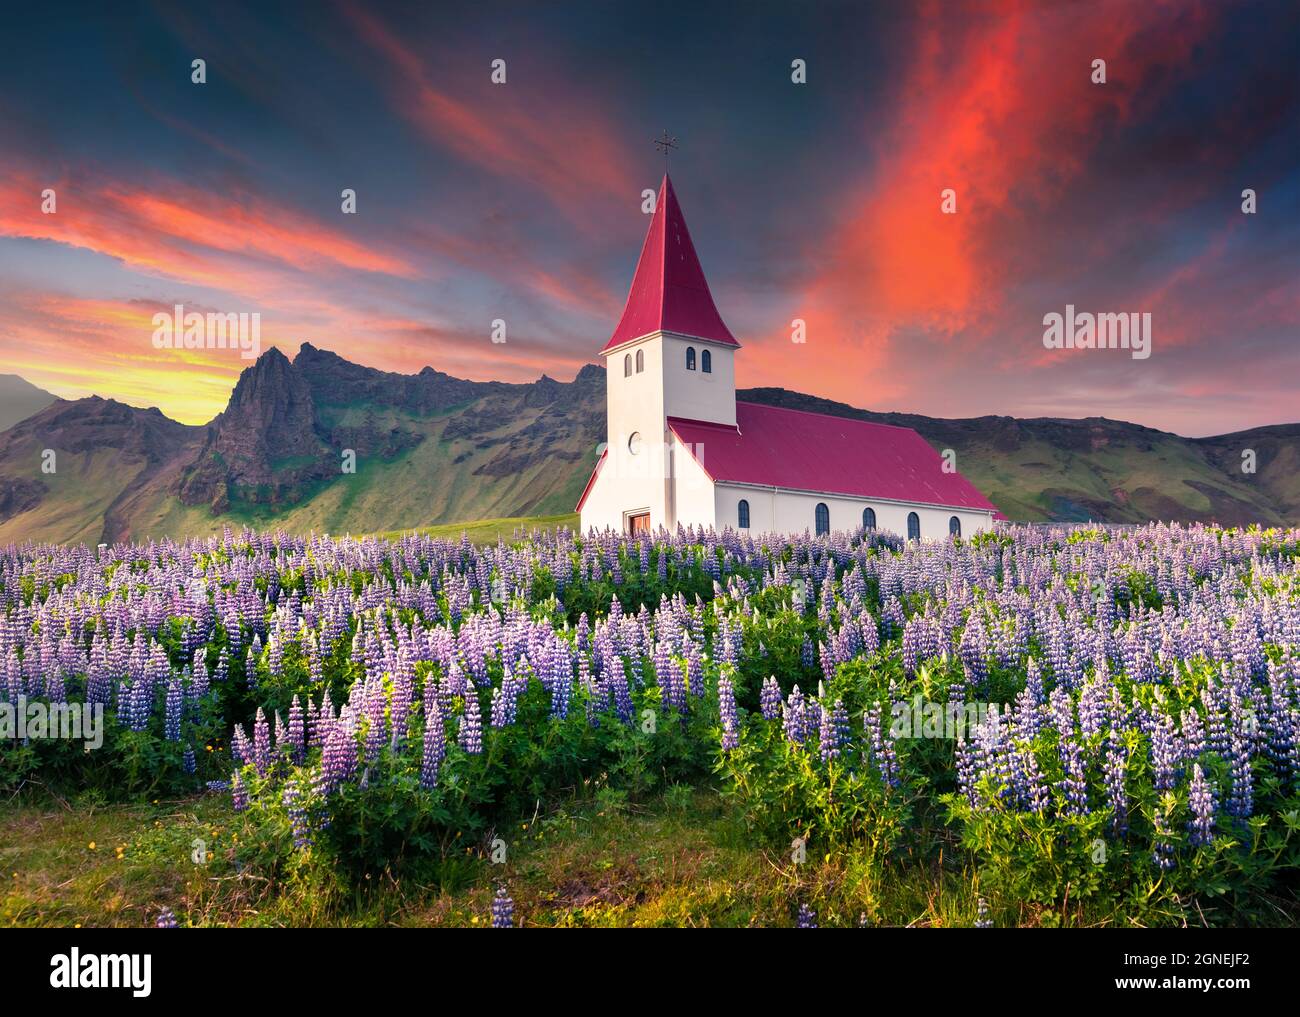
627 366
690 358
742 514
913 526
823 517
640 361
706 362
868 519
954 526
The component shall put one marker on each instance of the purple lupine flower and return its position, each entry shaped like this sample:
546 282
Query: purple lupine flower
1193 735
1114 771
616 680
1163 851
1165 751
503 909
1034 681
794 716
297 816
470 736
807 654
1073 785
807 918
881 747
238 793
297 739
339 754
770 698
727 710
1201 798
1033 791
435 744
827 741
166 919
1241 797
175 700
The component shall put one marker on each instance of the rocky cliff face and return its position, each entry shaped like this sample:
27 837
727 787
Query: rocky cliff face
288 424
272 445
339 382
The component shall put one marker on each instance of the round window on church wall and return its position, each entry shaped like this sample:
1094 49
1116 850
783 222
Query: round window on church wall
634 442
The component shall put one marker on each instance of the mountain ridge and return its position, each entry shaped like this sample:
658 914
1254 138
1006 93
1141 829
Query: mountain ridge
429 448
19 399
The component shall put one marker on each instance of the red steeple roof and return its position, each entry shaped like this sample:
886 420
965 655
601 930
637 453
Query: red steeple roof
669 292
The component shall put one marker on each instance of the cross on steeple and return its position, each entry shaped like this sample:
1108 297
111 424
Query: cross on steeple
665 143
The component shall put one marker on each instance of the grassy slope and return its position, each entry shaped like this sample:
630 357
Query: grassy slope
1039 481
80 492
420 488
488 531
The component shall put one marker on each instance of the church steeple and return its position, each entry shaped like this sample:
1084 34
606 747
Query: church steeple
669 292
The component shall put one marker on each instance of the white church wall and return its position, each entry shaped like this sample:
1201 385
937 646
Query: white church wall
692 495
631 482
695 395
790 512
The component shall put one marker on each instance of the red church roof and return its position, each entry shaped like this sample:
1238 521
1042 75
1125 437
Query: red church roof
669 292
794 450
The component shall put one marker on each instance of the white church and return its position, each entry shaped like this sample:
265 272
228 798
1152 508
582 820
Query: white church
681 450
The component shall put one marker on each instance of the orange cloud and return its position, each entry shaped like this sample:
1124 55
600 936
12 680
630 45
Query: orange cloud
183 233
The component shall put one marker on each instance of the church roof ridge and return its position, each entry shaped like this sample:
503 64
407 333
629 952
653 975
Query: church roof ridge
669 292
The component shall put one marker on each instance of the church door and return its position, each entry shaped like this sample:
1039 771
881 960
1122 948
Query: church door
638 523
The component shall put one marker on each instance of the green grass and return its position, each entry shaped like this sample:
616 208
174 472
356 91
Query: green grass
678 859
487 531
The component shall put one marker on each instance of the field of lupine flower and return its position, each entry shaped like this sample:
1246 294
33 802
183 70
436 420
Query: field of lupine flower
1067 725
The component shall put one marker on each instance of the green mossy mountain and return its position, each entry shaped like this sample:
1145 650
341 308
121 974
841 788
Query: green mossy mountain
429 449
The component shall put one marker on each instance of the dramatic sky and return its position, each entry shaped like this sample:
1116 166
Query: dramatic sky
522 201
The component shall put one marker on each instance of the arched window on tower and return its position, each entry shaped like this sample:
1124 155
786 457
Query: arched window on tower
954 526
823 518
640 361
913 526
868 519
690 358
627 366
742 514
706 362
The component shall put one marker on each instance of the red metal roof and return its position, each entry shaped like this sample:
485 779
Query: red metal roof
669 292
791 449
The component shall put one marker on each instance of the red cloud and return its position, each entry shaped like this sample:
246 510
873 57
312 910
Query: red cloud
1001 109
